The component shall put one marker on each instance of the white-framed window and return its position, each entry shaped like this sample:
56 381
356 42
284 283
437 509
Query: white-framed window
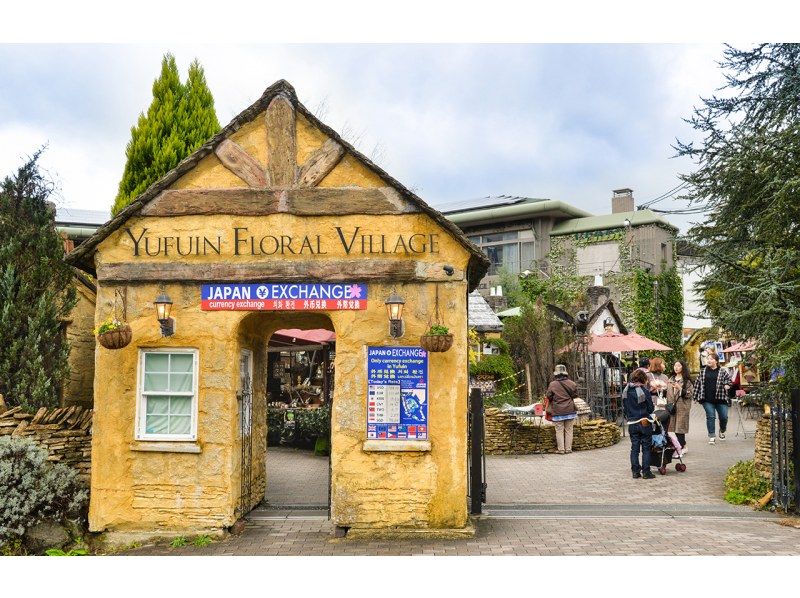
167 394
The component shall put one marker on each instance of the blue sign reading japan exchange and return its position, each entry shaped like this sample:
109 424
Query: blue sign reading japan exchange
283 296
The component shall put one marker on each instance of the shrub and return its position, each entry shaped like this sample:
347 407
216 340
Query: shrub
502 368
202 541
744 484
309 424
33 489
178 542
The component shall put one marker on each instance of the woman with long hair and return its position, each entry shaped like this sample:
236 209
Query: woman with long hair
679 394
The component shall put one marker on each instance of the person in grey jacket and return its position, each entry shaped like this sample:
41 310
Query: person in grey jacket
711 391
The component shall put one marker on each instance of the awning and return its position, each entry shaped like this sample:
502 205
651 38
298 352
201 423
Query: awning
616 342
319 335
742 347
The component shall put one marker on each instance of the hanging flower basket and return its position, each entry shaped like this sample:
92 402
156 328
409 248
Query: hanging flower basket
438 339
114 334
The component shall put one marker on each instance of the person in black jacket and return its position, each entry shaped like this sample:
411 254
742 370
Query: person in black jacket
637 405
711 390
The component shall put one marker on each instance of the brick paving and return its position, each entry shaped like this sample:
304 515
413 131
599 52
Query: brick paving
296 478
602 476
578 504
551 537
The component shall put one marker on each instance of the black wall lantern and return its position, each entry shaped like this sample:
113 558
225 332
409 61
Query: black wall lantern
163 308
394 309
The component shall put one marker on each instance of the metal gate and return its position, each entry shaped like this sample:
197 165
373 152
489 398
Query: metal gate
477 455
785 448
245 400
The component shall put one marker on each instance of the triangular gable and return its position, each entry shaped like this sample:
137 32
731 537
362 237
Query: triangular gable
82 255
609 307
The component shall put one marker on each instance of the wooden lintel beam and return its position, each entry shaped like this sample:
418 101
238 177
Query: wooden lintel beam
242 164
279 270
319 164
316 201
281 142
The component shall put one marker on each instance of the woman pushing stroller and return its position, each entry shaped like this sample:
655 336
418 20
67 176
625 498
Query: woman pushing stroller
637 407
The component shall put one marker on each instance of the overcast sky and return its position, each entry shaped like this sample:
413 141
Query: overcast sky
569 122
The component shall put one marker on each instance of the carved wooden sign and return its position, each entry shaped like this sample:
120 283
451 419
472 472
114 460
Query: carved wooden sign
239 241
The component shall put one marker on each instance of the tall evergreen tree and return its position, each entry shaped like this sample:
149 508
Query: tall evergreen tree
36 292
747 180
180 119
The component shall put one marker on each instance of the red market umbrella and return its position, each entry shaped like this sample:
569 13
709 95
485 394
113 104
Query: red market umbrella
742 347
319 335
616 342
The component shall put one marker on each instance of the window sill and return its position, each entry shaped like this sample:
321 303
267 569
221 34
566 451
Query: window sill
155 446
397 446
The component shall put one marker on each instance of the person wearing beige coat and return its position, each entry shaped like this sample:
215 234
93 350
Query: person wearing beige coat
680 391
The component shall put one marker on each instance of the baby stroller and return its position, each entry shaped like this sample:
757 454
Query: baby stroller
662 452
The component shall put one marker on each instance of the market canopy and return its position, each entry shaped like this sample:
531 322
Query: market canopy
297 336
742 347
616 342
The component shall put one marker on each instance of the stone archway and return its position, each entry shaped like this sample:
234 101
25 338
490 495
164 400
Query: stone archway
253 334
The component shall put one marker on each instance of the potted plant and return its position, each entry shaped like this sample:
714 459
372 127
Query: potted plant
114 333
437 339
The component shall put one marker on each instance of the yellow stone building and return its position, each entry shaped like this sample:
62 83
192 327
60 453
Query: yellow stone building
277 197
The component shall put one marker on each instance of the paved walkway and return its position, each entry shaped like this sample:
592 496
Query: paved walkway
602 476
550 537
296 478
579 504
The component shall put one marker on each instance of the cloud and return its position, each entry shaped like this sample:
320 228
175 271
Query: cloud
454 121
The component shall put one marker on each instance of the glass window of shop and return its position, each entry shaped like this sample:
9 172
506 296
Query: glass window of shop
512 250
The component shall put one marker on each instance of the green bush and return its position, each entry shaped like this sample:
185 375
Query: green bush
32 489
502 368
308 426
744 484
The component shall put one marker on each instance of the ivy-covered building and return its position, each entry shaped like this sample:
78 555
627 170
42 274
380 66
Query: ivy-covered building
630 251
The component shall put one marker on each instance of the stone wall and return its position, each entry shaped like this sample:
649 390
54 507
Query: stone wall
66 433
506 434
78 390
763 451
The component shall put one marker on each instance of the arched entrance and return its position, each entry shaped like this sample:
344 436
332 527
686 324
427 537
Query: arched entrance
260 352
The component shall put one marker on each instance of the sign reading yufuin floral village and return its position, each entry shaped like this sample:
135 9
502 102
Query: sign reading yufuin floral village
283 296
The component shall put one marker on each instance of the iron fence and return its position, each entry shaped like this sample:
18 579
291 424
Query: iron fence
784 458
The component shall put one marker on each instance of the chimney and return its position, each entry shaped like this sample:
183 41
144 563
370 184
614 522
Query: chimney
622 201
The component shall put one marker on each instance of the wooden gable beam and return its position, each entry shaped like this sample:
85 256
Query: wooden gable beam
319 164
242 164
281 142
316 201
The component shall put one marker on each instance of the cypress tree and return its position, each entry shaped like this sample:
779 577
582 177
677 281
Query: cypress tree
36 292
180 119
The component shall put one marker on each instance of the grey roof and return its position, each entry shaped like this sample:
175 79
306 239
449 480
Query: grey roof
490 201
481 316
610 221
66 215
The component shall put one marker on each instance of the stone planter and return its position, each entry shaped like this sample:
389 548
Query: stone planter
117 338
436 343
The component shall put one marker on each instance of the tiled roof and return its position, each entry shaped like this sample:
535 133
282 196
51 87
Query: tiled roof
481 316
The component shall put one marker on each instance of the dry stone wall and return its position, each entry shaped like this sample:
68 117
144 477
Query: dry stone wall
762 458
506 434
66 433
